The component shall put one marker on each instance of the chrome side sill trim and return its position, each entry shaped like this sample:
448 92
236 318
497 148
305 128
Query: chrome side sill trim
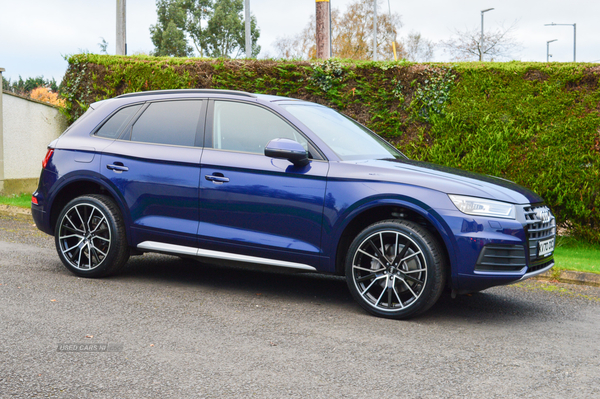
162 247
207 253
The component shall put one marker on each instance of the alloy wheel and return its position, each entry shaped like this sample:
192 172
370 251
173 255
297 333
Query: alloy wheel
389 271
84 236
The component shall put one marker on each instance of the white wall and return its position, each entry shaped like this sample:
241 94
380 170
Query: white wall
28 128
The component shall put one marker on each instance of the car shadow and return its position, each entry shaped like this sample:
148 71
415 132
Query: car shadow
496 305
273 282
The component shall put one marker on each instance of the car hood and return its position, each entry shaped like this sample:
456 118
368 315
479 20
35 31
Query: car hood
448 180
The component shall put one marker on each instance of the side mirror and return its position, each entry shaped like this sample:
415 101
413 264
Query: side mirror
287 149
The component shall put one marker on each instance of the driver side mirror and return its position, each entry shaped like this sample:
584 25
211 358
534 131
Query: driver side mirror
287 149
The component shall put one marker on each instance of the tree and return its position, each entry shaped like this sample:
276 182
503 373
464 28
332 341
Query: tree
468 44
198 12
304 45
226 30
351 35
216 28
169 33
103 46
354 37
24 87
46 95
417 48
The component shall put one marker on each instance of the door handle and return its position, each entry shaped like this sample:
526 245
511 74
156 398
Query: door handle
117 167
217 179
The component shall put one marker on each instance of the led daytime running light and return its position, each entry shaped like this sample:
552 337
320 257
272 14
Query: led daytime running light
483 207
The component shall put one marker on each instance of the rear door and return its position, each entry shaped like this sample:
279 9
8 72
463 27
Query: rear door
253 205
155 166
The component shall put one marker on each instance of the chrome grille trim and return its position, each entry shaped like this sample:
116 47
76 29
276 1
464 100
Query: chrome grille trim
538 230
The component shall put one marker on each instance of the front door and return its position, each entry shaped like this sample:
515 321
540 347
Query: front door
254 205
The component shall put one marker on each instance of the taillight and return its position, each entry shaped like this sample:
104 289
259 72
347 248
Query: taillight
47 157
34 200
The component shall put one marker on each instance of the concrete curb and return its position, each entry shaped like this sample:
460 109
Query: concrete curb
563 276
15 211
571 277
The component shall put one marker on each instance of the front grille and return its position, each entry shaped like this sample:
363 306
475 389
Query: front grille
537 228
501 258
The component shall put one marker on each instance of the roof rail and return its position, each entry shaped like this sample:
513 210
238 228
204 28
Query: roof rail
187 91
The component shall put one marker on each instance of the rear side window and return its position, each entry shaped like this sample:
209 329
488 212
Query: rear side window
113 127
169 122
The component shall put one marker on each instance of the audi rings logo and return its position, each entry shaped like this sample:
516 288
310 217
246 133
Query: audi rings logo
543 214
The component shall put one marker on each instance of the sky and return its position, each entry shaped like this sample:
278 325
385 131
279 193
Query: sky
35 35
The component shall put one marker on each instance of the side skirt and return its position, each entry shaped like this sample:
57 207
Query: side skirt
207 253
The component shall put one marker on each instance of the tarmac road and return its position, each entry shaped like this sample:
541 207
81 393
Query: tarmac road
183 329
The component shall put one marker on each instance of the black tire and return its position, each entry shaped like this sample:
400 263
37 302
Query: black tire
90 237
395 269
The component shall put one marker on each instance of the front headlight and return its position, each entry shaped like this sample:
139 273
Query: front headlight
483 207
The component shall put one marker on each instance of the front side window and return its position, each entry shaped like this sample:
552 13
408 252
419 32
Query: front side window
169 122
249 128
113 127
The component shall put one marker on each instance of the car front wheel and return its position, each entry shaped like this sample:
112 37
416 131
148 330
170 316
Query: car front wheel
90 237
395 269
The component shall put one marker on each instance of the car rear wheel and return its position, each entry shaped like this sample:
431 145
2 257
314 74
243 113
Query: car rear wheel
395 269
90 237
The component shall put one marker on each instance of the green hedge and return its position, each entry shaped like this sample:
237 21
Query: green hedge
534 123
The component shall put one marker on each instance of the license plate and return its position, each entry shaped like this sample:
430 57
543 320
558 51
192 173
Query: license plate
545 247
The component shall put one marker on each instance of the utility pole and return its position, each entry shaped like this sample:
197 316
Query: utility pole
574 37
481 42
374 30
121 33
323 29
548 55
248 34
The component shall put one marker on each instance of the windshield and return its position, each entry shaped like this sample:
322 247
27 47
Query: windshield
347 138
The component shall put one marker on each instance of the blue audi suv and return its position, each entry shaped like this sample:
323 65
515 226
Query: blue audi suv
255 179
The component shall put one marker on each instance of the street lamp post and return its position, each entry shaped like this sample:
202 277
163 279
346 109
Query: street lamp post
574 37
548 55
481 41
374 30
121 48
247 29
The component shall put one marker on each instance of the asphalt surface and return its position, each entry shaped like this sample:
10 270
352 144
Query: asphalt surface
182 329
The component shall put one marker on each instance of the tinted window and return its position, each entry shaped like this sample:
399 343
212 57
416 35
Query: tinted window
248 128
168 122
113 127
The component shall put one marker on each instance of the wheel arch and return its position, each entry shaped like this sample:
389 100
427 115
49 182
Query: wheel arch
383 209
77 185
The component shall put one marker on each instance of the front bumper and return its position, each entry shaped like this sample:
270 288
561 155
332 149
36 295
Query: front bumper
492 251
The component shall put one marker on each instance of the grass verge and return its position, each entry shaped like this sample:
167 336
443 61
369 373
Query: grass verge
573 254
21 200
